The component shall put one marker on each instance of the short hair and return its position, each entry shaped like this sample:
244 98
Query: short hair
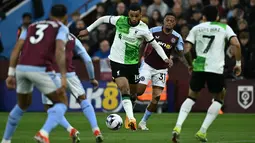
170 14
134 7
210 12
27 15
58 10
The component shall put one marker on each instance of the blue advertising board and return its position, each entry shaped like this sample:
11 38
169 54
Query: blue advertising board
106 98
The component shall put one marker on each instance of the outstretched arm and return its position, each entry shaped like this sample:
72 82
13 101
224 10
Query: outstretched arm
105 19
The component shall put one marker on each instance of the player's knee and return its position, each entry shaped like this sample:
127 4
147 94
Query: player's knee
124 89
23 106
133 97
155 99
140 90
219 97
46 107
81 98
58 97
193 94
24 101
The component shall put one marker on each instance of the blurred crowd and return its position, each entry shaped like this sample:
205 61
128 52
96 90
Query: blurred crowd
239 14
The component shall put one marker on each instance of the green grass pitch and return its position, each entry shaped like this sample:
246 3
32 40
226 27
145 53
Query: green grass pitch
228 128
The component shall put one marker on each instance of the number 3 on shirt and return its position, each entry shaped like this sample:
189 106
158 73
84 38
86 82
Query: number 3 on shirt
39 33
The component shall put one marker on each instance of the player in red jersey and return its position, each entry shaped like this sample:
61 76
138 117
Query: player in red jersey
75 47
43 43
154 68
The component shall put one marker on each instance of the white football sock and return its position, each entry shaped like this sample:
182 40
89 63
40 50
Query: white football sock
127 105
6 141
212 113
69 129
185 109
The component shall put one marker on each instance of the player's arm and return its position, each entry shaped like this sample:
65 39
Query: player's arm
187 53
181 53
60 55
142 49
16 52
190 41
10 81
80 50
105 19
150 40
235 43
231 36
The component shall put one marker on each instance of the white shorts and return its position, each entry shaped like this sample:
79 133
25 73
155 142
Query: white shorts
45 82
157 77
74 86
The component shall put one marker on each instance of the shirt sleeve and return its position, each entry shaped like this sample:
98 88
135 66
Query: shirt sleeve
23 34
80 50
180 44
63 33
229 33
191 37
105 19
148 35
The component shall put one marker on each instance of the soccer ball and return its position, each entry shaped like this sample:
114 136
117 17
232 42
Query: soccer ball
114 122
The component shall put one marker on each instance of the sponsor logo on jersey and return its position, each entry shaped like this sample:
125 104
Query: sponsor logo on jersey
164 45
142 78
126 38
173 40
245 96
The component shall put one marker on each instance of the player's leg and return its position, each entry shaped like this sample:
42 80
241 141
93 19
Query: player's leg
120 74
133 97
158 78
215 84
78 92
138 89
46 83
24 90
152 107
133 93
123 85
196 84
74 133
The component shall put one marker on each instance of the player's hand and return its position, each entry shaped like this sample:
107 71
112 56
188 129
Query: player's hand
94 83
169 61
237 70
11 82
83 33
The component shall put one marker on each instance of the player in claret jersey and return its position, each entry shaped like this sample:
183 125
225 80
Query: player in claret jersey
124 56
43 43
154 68
209 39
74 47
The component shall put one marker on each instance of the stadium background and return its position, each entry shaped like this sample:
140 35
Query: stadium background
234 126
